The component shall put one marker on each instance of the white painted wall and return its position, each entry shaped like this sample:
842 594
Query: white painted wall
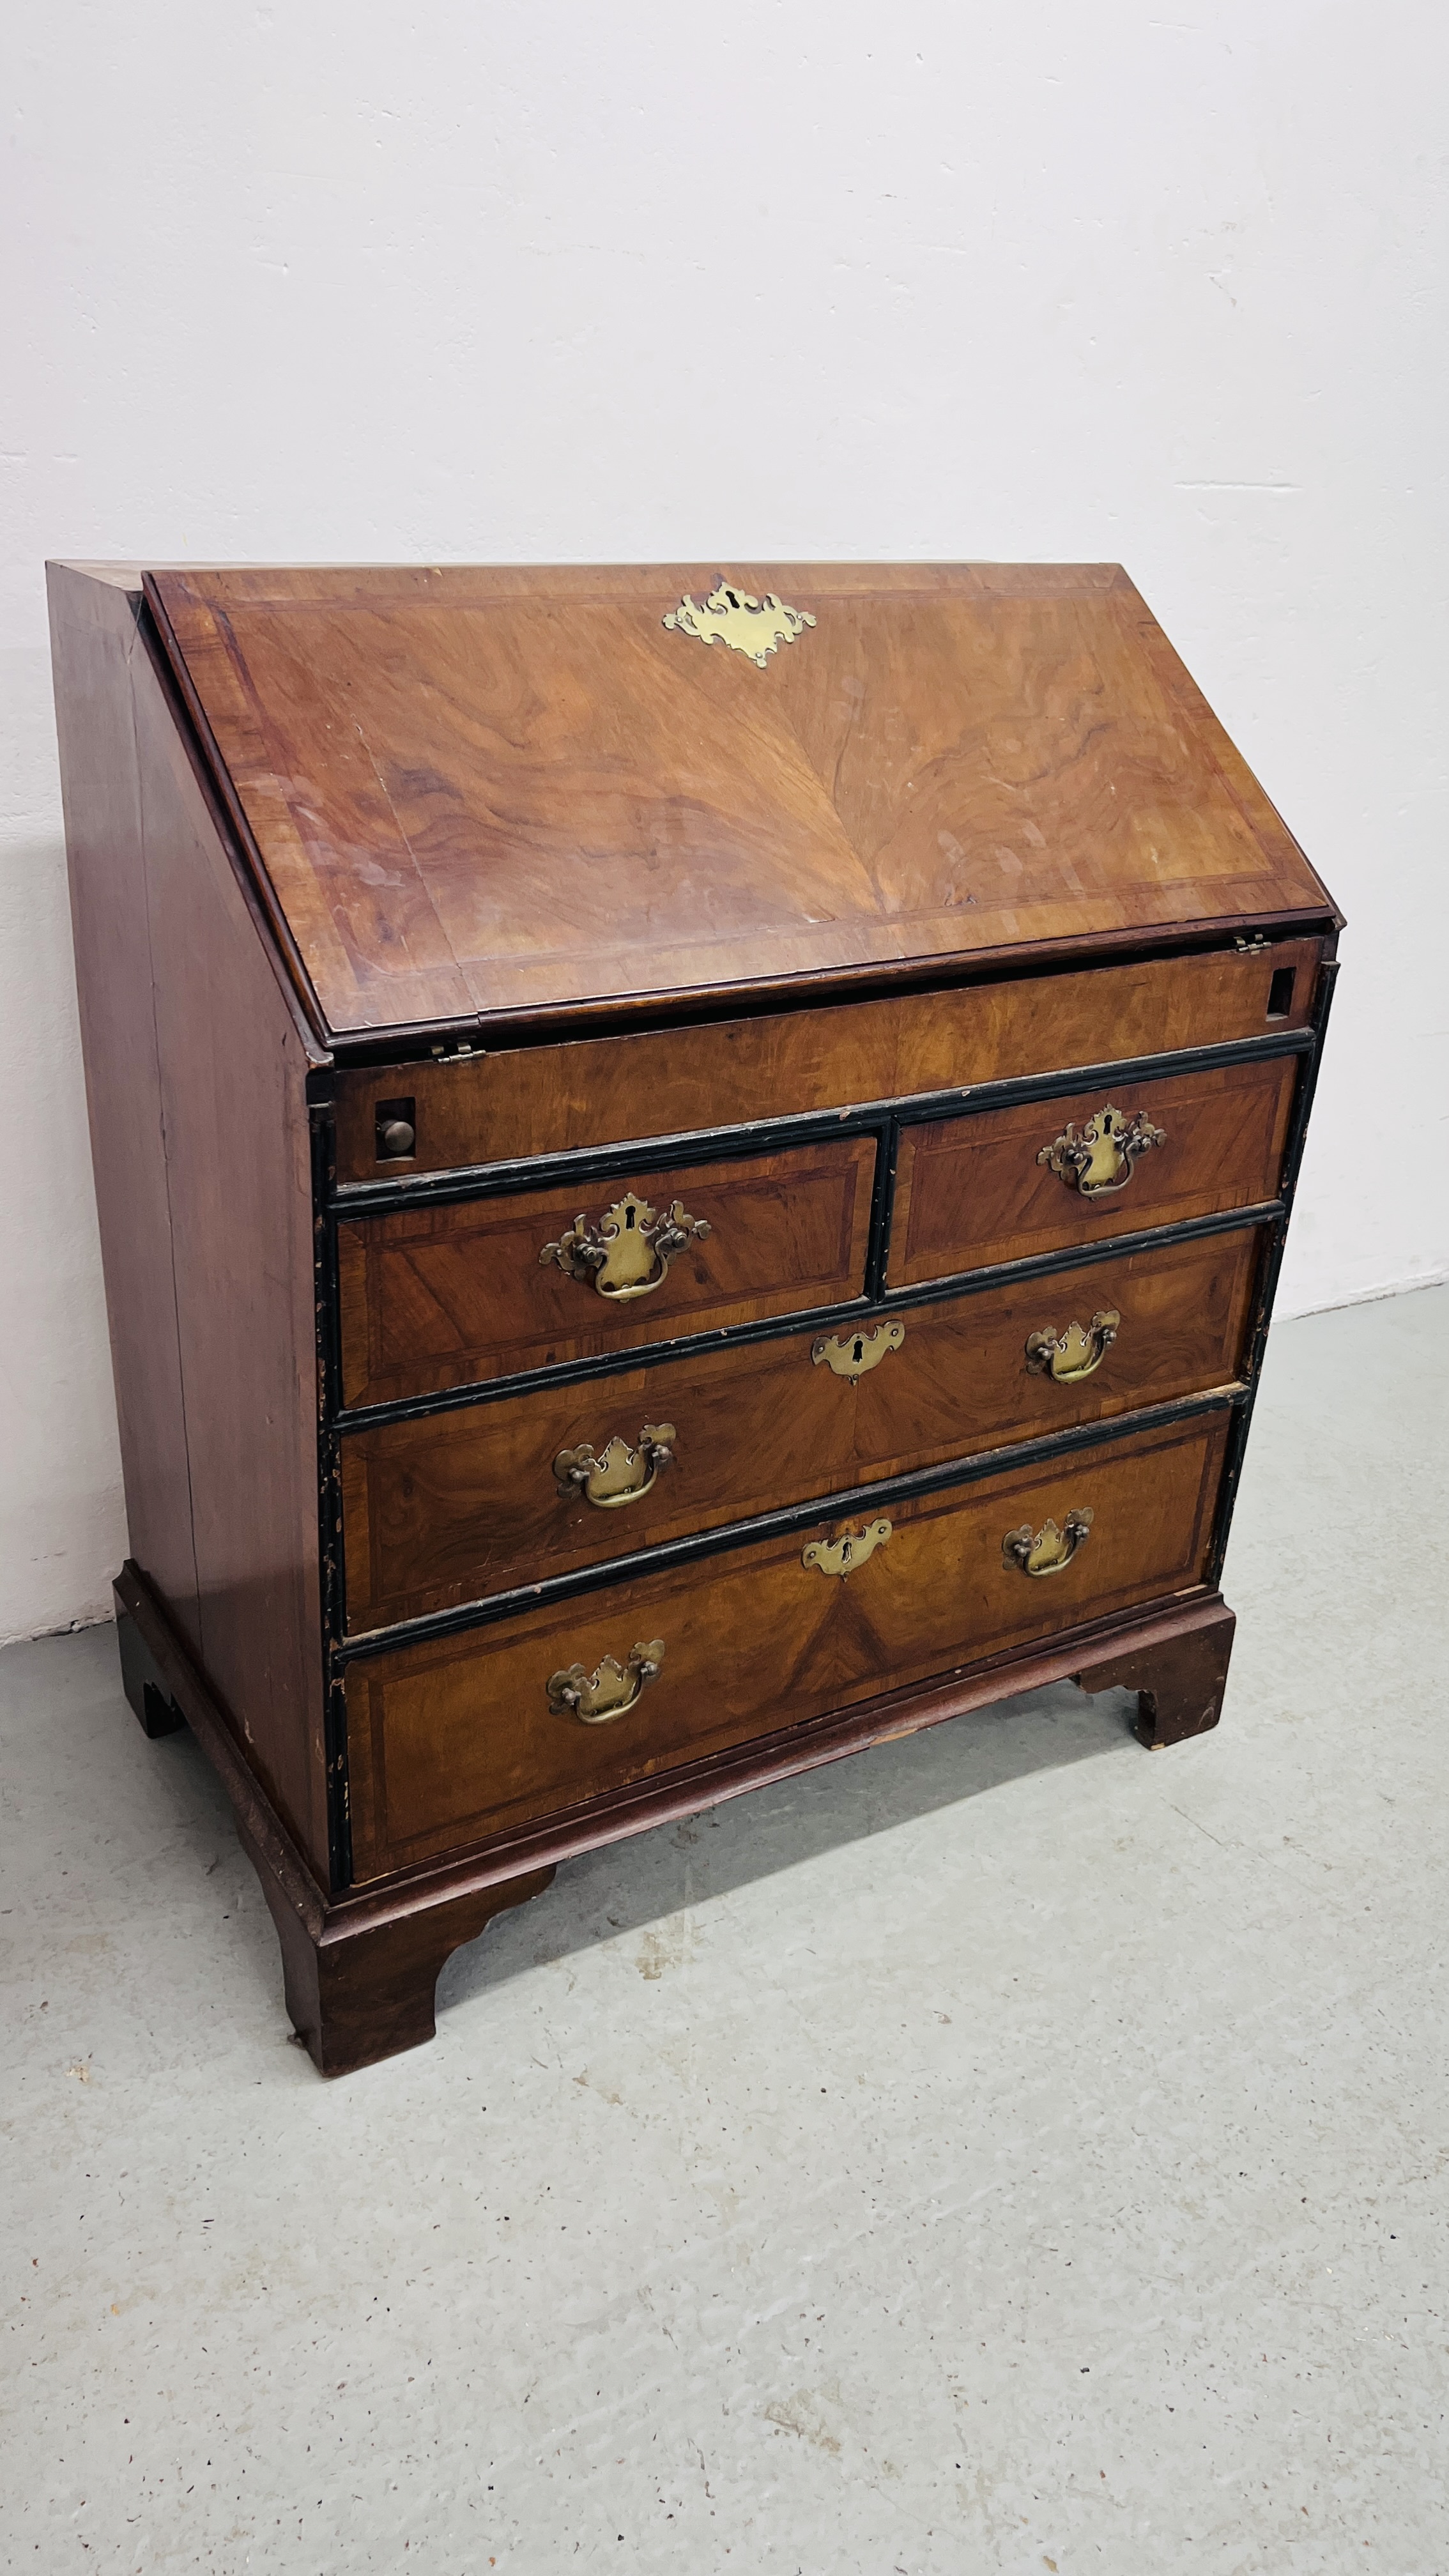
794 277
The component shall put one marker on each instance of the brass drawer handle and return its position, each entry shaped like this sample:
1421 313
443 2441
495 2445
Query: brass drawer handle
1100 1156
852 1354
1050 1548
1075 1353
841 1555
596 1697
618 1474
628 1253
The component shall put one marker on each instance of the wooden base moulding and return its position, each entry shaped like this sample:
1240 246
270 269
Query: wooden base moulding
360 1971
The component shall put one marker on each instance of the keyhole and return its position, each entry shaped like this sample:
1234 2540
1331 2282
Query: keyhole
845 1552
857 1350
629 1215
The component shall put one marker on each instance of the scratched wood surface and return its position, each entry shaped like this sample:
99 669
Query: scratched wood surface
454 1739
440 1297
971 1191
476 793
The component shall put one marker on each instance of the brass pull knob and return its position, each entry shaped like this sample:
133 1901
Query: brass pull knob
617 1474
1050 1548
594 1698
1100 1156
1075 1353
841 1555
628 1252
852 1354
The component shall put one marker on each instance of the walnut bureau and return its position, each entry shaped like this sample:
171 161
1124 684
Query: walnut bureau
691 1167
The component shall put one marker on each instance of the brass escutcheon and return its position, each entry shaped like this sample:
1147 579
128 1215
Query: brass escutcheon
1075 1353
852 1354
628 1253
1099 1156
616 1474
841 1555
754 627
596 1697
1050 1548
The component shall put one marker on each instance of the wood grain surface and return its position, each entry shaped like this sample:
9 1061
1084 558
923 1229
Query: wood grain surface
477 792
197 1069
440 1297
970 1191
93 636
655 889
453 1506
546 1099
1179 1680
456 1739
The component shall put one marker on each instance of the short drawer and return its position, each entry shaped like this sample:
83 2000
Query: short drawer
452 1741
449 1507
440 1297
548 1099
1049 1174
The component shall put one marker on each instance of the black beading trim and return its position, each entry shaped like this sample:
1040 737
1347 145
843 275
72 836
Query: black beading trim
730 1535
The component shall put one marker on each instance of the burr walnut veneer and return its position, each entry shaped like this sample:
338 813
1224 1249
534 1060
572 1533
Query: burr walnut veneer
691 1169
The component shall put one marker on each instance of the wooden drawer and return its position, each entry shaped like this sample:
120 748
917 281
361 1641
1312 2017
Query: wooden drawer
453 1506
549 1099
971 1192
457 1739
440 1297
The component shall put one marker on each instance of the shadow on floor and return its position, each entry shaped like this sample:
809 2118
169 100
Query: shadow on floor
605 1894
632 1884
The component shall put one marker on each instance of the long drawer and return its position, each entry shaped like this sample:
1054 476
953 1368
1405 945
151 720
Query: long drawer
1046 1175
440 1297
464 1736
449 1507
549 1099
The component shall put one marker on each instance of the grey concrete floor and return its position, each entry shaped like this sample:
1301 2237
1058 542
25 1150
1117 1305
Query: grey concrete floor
1008 2150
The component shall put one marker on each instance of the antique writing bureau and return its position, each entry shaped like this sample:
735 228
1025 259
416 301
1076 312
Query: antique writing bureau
691 1168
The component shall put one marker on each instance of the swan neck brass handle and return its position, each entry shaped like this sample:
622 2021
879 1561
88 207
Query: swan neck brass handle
596 1697
1049 1549
1099 1156
627 1251
615 1474
852 1355
1075 1353
843 1554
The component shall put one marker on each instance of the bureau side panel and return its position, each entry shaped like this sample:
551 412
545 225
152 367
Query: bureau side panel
230 1065
233 1076
93 642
